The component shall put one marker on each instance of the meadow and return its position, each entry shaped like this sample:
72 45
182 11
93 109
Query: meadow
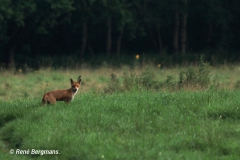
123 113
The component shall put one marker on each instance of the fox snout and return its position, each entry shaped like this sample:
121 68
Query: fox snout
75 89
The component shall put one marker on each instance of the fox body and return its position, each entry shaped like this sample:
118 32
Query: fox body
62 95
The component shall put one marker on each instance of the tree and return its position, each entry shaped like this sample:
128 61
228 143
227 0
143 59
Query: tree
83 14
184 13
123 18
155 17
107 8
20 19
213 23
14 21
180 12
176 31
117 15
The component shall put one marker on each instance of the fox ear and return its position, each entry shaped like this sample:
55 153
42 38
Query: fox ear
79 79
71 81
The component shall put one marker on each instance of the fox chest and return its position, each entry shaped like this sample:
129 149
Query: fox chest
66 98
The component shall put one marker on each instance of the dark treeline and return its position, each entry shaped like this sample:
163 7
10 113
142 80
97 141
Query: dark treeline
82 28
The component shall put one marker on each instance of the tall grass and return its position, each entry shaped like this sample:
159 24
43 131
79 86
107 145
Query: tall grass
132 125
126 113
35 83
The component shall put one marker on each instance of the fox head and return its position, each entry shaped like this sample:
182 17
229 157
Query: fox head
75 85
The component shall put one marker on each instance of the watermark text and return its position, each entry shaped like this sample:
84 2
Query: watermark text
33 151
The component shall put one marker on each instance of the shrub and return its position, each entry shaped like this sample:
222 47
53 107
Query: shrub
147 79
169 83
237 85
114 85
215 82
130 81
195 77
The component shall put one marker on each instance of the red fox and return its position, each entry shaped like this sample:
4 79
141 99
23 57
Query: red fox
62 95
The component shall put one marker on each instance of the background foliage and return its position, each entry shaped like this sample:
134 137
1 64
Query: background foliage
85 29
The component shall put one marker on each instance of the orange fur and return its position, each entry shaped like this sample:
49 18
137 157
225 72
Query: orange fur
62 95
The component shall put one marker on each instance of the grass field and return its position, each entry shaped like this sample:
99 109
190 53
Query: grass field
140 123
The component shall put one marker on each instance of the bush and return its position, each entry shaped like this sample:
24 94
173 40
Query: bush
130 81
146 79
143 81
237 85
195 77
190 78
114 85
